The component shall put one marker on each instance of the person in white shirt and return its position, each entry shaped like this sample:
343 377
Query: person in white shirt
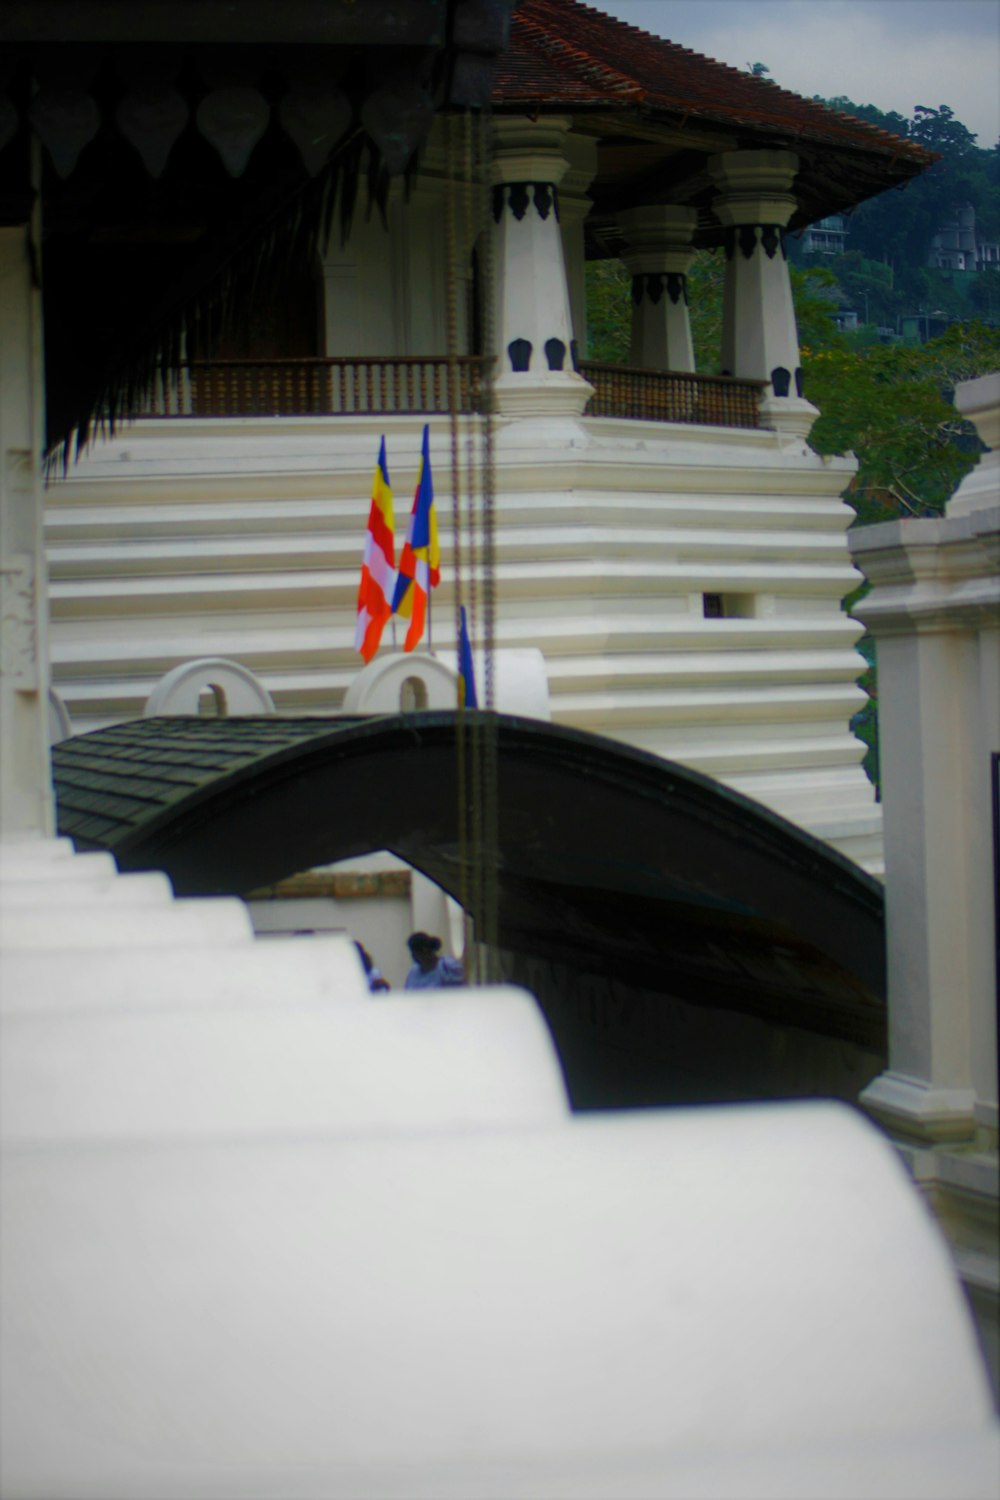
432 969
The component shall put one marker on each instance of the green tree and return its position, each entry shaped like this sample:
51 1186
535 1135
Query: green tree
896 124
891 406
609 311
705 282
897 226
939 130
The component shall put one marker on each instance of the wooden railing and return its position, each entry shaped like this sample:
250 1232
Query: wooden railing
670 396
317 387
387 386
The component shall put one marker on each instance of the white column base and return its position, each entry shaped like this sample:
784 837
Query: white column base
792 414
558 394
915 1110
948 1143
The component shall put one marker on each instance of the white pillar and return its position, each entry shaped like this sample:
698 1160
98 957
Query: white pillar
25 777
759 337
534 327
934 610
659 256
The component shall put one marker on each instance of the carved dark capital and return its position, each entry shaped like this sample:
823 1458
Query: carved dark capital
781 379
518 199
519 351
653 284
748 240
770 238
544 199
800 381
677 287
521 195
574 354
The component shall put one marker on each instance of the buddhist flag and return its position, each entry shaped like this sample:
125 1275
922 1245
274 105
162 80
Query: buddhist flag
378 571
466 675
420 559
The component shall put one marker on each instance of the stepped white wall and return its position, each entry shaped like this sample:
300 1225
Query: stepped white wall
243 538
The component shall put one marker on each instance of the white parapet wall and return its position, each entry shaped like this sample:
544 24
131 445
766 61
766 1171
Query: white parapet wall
934 611
683 583
269 1236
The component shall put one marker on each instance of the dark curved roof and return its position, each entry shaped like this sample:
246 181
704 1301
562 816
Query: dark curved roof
608 858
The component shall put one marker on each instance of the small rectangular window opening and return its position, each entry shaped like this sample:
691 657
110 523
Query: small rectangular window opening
729 606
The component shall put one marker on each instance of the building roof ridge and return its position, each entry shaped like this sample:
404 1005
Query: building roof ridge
581 37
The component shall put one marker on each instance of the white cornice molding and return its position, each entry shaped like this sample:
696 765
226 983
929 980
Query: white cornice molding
934 574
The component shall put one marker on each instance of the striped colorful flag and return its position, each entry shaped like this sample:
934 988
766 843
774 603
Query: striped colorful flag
378 570
420 559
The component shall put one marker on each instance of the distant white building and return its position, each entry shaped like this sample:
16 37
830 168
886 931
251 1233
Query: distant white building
828 236
957 246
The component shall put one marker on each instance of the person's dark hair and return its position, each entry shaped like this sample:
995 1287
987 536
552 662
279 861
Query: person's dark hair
423 942
365 956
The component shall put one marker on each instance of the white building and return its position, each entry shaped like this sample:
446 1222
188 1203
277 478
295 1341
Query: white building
958 245
670 543
828 237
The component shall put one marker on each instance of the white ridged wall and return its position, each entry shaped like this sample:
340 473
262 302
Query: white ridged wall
241 538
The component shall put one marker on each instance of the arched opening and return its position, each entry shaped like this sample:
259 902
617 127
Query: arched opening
212 702
413 696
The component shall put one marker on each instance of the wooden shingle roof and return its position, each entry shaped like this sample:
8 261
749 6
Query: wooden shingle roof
564 53
619 83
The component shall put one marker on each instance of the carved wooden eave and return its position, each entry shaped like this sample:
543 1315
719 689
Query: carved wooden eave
187 150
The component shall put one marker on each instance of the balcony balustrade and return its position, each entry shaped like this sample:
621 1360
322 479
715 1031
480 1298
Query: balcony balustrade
317 387
425 386
672 396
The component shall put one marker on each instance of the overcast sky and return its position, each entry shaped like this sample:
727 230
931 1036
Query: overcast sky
891 53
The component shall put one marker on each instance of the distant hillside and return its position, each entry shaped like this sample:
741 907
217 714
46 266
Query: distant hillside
884 274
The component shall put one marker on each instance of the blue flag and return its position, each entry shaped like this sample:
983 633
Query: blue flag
420 560
466 675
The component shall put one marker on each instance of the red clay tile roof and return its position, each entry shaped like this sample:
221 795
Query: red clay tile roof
567 55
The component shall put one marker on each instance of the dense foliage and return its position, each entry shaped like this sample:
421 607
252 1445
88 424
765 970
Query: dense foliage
884 275
892 407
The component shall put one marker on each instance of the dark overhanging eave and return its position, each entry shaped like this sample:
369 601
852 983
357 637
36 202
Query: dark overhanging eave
360 23
882 148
